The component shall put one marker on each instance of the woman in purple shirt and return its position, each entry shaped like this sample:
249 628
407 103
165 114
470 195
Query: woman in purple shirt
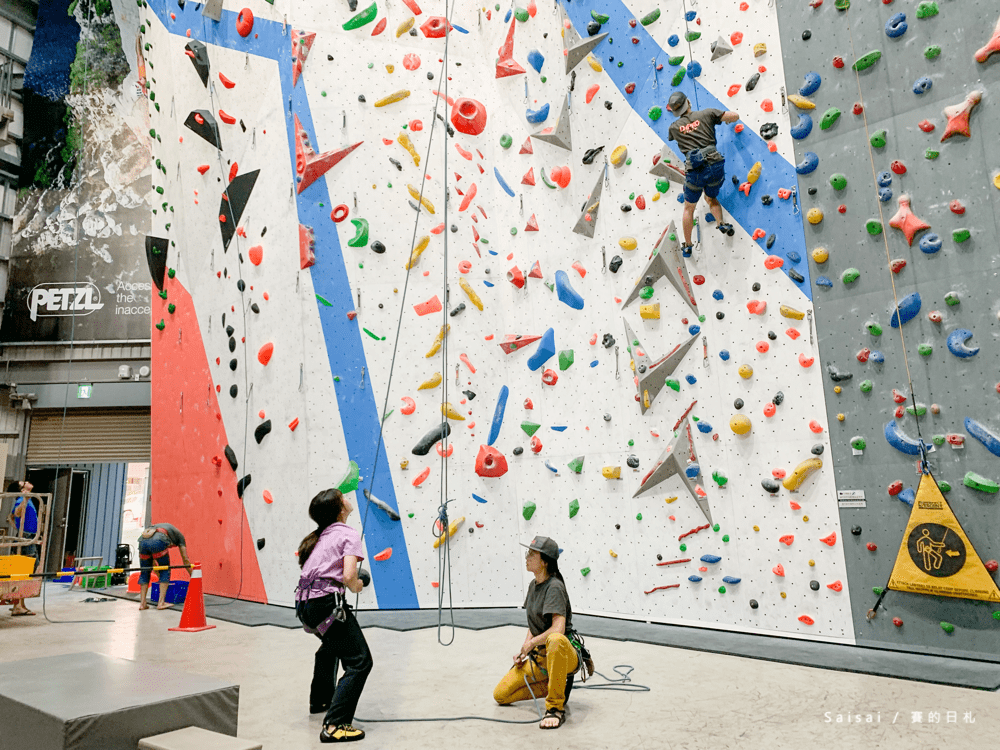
329 559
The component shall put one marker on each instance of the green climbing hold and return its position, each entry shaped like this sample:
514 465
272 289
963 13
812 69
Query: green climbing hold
655 112
981 483
650 17
725 537
874 328
684 548
364 17
530 428
584 572
944 486
838 181
830 118
631 442
506 140
931 154
878 139
925 350
874 227
866 61
850 275
961 235
351 480
947 626
576 465
374 335
662 186
323 301
171 272
360 238
521 14
574 508
720 479
675 60
550 285
171 307
842 4
646 292
858 443
678 77
951 298
546 179
601 18
931 52
673 384
161 325
927 9
528 510
638 516
162 293
722 589
565 359
938 440
513 231
919 411
631 196
715 527
866 386
543 79
692 35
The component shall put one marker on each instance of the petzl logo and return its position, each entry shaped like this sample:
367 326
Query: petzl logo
55 299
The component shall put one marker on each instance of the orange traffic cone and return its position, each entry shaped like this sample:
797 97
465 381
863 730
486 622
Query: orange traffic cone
193 616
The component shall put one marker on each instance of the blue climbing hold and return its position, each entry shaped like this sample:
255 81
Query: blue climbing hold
909 306
566 293
693 69
551 468
731 580
488 283
930 243
694 579
559 428
896 26
536 60
594 363
922 85
694 330
710 558
506 18
477 498
459 29
885 194
704 427
793 256
824 281
957 345
717 294
877 357
808 164
690 15
498 415
803 128
907 496
900 440
545 351
537 115
692 470
691 379
884 179
709 217
983 435
724 355
503 182
811 84
673 40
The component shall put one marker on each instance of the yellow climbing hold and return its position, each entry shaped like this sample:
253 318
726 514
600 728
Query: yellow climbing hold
759 49
405 142
449 411
756 528
390 69
628 243
405 26
821 255
612 553
656 196
594 64
669 500
794 480
470 293
746 372
452 528
420 247
650 312
436 346
754 174
841 417
612 472
394 97
812 563
432 382
801 102
837 389
404 464
805 519
740 424
791 312
619 155
415 194
814 215
996 180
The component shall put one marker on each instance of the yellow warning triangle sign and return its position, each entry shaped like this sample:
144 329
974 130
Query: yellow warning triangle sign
935 556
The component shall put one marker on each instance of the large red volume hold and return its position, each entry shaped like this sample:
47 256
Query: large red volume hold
469 116
490 462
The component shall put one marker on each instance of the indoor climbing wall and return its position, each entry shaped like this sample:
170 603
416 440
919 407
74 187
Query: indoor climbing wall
894 109
467 232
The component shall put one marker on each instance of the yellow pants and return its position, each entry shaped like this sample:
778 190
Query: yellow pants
558 659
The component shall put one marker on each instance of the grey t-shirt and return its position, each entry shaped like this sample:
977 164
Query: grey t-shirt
695 129
172 535
545 600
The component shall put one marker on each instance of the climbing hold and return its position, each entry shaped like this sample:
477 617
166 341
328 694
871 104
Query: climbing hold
958 116
896 26
957 343
545 350
802 128
361 19
491 463
433 381
740 424
566 294
808 164
866 61
801 472
990 48
801 102
468 116
264 354
981 433
830 118
908 308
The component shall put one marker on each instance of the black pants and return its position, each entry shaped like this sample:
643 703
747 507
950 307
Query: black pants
344 641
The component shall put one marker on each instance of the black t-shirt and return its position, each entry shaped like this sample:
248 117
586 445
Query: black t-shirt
545 600
695 129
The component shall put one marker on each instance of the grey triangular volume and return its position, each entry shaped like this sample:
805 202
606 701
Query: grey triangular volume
576 54
558 134
666 260
588 217
569 35
720 48
674 460
664 167
650 376
213 9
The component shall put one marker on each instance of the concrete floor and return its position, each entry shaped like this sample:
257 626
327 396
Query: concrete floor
698 700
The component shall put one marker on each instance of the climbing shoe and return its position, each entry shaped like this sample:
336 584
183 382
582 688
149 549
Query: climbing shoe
727 229
686 250
343 733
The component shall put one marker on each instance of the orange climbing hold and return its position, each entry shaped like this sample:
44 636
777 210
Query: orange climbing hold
991 48
787 539
265 352
293 424
778 570
958 116
268 498
773 261
906 221
422 477
409 406
383 555
465 360
806 362
592 92
835 586
830 540
757 306
256 254
432 305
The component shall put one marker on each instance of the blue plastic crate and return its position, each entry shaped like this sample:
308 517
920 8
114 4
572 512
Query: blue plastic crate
176 592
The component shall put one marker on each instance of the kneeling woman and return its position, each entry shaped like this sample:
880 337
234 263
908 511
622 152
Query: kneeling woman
329 559
547 659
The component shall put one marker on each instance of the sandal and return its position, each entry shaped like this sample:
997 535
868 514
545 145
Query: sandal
554 713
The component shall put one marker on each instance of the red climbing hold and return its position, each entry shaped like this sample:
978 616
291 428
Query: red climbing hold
256 254
757 306
536 270
792 333
773 261
490 462
806 620
592 92
734 89
561 176
991 48
897 621
838 62
531 226
808 362
769 409
698 279
516 277
226 82
905 220
380 26
265 352
871 546
411 61
958 116
422 477
830 540
383 555
412 5
528 404
778 570
926 125
630 87
578 267
529 177
226 118
432 305
992 566
767 105
204 168
536 444
507 66
858 109
640 202
863 354
307 248
435 27
468 116
244 22
957 207
736 37
268 497
787 539
516 342
526 147
897 265
550 377
898 167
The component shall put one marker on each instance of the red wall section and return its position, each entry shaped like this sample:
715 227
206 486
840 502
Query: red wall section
194 494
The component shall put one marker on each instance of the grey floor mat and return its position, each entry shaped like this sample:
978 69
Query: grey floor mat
943 670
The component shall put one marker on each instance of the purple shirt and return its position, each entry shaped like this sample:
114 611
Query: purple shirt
327 562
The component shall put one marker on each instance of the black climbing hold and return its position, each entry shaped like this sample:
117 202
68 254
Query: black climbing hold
642 369
260 543
588 157
778 398
659 557
756 286
262 429
380 305
615 264
233 390
738 404
454 228
234 200
752 82
377 247
329 58
648 281
231 457
361 98
856 530
607 417
440 432
255 307
352 5
199 59
772 335
232 344
242 485
817 449
608 341
618 527
457 310
768 130
593 27
232 364
771 485
720 315
229 329
795 275
626 207
633 462
771 237
156 259
413 32
472 529
814 585
518 450
572 80
753 604
812 191
607 105
396 164
208 128
241 285
430 76
836 375
766 200
736 180
469 394
806 35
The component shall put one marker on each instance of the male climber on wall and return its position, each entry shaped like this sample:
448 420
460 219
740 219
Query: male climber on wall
694 133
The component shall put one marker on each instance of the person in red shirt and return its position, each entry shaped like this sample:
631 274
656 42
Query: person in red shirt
705 169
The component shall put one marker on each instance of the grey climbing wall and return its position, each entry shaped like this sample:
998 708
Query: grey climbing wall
935 175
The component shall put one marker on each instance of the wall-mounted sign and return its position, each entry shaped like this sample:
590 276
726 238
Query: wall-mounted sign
84 390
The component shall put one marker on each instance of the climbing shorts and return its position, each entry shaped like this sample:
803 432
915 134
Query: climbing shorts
708 178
